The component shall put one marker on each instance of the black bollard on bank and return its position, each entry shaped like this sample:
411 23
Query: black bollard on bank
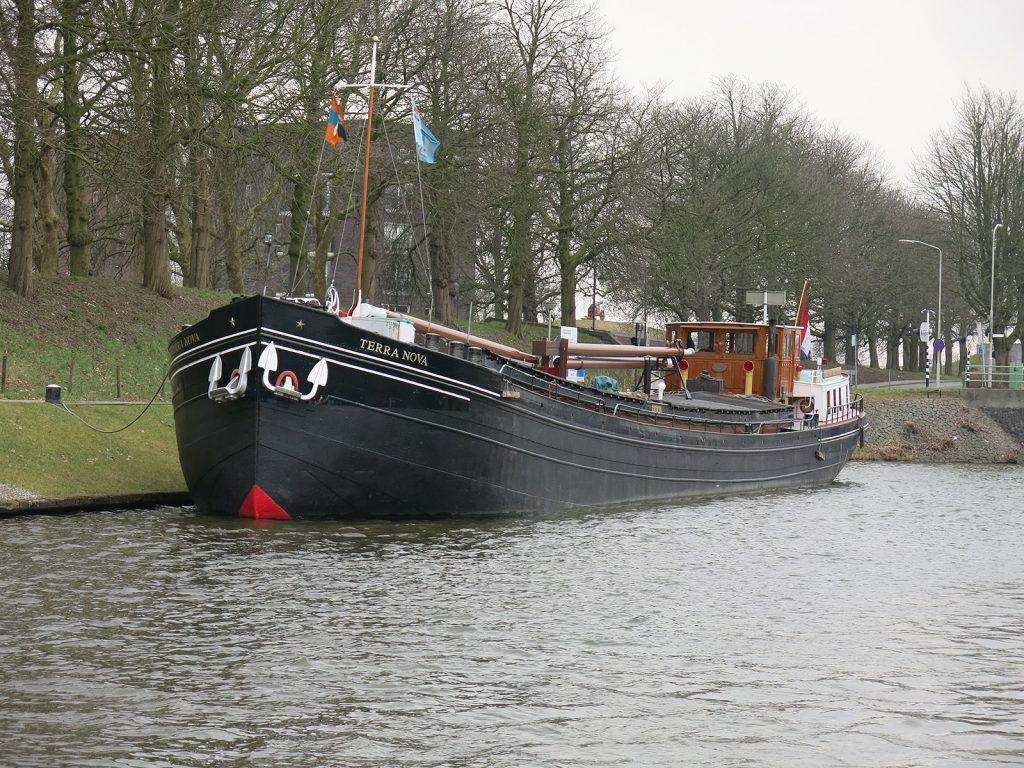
53 393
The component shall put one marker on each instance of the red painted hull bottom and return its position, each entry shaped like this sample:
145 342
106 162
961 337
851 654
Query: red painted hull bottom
259 506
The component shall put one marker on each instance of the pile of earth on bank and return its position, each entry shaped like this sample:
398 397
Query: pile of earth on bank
935 429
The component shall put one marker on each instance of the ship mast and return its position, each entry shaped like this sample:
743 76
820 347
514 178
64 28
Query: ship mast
358 293
373 85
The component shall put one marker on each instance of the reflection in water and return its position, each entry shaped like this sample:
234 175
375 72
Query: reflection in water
875 622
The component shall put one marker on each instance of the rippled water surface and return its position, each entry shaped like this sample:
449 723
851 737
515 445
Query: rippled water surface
877 622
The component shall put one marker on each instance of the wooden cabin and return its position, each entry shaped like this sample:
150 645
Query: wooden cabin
736 358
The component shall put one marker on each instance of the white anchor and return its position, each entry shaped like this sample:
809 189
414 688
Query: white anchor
268 362
236 385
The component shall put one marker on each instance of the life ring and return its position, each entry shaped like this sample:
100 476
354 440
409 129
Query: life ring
287 376
807 405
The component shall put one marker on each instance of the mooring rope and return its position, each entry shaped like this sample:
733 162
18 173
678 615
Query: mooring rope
94 428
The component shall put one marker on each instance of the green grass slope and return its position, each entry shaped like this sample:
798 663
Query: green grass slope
84 333
56 454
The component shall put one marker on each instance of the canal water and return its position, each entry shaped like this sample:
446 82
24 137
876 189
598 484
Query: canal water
876 622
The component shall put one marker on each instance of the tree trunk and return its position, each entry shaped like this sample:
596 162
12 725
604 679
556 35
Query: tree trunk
79 235
297 234
47 245
198 274
567 290
872 350
828 340
519 247
372 251
26 154
19 278
440 278
199 260
224 180
910 352
156 265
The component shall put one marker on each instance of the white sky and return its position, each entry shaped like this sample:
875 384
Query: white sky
887 72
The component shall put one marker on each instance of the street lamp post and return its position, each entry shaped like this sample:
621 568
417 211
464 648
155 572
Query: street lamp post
938 318
990 347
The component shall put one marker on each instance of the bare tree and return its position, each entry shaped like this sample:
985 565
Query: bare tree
538 32
973 177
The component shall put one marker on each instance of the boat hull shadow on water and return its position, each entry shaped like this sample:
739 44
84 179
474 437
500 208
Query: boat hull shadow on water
286 410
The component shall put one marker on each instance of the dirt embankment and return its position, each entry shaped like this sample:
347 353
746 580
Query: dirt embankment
937 429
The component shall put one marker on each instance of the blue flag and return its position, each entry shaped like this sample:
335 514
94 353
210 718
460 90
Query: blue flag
426 142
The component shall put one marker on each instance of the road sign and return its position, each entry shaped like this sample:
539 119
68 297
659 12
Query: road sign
766 297
924 332
938 344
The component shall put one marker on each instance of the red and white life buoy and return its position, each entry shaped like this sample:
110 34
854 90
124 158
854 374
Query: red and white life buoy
290 377
807 405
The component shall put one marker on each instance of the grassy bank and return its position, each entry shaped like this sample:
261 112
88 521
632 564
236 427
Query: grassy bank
54 454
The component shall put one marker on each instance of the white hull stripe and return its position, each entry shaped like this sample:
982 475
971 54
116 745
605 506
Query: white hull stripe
381 374
208 358
204 345
378 359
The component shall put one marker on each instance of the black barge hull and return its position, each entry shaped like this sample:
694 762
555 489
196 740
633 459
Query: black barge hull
399 430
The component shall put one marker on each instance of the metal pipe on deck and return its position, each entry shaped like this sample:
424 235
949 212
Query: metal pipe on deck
453 334
606 362
625 350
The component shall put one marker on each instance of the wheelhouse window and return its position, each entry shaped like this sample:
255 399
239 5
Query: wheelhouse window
740 342
705 341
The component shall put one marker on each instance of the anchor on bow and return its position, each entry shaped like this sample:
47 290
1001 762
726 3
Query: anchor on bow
236 385
286 384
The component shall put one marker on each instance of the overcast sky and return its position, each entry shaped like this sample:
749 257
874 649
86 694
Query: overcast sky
888 72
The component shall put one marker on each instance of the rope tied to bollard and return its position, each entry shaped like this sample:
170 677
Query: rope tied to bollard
94 428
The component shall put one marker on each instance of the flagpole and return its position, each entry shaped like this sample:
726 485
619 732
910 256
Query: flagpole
358 293
800 304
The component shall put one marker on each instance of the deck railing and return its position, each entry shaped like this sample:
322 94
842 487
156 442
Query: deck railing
850 410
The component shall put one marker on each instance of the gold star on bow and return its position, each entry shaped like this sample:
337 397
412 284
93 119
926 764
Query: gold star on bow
300 324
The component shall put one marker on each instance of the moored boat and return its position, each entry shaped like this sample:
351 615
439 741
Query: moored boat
324 416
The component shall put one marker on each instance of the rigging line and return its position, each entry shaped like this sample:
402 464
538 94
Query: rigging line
405 207
266 267
348 200
426 236
121 429
309 209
